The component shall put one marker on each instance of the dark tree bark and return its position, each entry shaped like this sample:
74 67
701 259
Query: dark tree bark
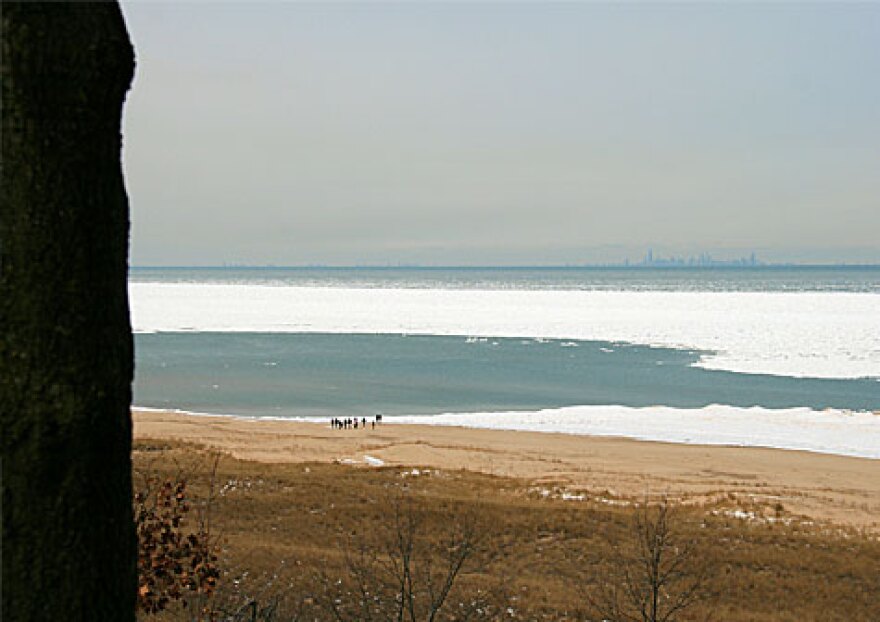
65 338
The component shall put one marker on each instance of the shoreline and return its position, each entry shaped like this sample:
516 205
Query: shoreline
843 490
640 430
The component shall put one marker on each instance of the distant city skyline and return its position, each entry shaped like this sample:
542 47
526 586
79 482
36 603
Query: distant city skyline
600 258
502 134
649 260
702 260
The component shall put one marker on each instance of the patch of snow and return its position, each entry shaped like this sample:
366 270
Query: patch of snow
827 431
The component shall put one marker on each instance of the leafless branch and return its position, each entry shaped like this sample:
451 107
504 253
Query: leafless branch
656 578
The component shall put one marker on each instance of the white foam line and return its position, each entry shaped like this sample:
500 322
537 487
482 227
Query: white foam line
830 431
838 432
802 334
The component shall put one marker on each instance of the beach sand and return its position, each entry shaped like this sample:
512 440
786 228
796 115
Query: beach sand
820 487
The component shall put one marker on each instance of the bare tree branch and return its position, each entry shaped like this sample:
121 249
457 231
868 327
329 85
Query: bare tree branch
656 579
400 576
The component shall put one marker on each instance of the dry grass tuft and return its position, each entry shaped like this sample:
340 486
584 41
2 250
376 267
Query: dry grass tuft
283 526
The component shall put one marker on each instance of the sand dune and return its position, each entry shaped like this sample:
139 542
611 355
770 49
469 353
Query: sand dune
839 489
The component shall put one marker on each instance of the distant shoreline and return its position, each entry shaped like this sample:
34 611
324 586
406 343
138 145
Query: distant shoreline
518 267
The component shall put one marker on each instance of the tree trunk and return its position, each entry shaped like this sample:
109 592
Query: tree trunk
65 346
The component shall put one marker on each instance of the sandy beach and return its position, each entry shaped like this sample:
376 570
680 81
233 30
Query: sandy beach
821 487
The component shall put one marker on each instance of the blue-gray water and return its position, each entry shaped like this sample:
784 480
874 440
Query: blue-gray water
759 279
320 374
317 374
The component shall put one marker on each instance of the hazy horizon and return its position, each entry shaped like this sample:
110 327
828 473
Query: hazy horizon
502 134
635 265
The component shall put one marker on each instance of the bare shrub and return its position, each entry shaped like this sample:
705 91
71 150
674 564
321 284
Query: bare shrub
400 572
245 596
656 578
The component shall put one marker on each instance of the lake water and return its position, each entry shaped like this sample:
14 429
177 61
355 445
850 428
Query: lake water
720 353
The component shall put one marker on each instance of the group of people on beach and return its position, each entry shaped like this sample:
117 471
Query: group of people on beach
354 422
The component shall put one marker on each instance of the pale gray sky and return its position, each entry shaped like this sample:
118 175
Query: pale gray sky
502 133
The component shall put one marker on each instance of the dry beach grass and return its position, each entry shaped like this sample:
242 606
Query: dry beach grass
786 535
837 489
